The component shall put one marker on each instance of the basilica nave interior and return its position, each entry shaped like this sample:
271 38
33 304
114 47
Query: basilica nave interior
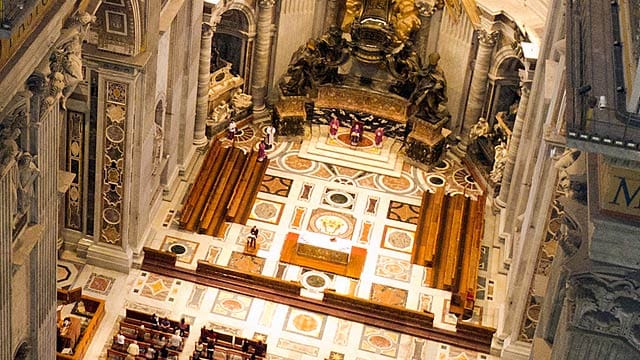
304 179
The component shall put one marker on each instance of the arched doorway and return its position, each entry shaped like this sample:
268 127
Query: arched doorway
231 43
504 90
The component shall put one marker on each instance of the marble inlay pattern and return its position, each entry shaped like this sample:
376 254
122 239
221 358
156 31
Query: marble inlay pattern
246 263
195 298
263 242
99 284
276 185
425 303
332 223
267 211
305 191
185 250
305 323
388 295
339 198
447 317
66 273
397 239
232 305
392 268
402 185
404 212
379 341
341 336
157 287
287 344
212 254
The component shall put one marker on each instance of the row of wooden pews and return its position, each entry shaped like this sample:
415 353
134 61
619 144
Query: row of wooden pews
139 326
447 244
225 189
230 346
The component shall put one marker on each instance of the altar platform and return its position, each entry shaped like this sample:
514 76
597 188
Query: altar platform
385 160
312 250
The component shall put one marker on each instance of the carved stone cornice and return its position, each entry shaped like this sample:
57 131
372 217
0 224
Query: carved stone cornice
488 38
607 304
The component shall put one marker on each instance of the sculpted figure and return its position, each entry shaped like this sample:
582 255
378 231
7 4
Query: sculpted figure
66 60
430 94
405 20
27 174
299 77
352 9
481 128
9 148
499 162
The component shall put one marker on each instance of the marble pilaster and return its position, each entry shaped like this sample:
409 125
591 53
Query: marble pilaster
44 255
514 143
478 90
331 14
202 102
6 224
426 37
262 54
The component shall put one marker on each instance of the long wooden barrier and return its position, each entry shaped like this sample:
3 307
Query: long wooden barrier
447 262
259 287
282 286
386 312
164 257
468 277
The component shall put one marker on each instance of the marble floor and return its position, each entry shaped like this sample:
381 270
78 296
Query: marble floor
376 211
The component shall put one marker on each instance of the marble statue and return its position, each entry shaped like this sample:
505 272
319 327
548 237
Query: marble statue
66 59
430 95
27 174
270 137
158 139
222 112
298 79
241 101
499 162
9 148
479 129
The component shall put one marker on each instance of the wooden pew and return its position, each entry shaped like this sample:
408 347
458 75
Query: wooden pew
241 187
226 193
146 318
143 345
200 184
252 190
113 354
429 232
447 262
468 277
202 196
218 190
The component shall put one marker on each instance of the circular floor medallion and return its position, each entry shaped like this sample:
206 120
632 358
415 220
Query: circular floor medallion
399 239
304 322
232 305
178 249
380 341
435 180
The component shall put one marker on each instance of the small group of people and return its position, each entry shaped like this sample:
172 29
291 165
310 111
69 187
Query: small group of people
356 132
205 349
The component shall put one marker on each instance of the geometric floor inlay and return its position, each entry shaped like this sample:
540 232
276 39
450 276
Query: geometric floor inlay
184 250
100 284
392 268
388 295
232 305
397 239
379 341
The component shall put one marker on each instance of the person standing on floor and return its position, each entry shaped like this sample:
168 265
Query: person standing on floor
334 125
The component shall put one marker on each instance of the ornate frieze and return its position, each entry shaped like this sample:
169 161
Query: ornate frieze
355 99
113 161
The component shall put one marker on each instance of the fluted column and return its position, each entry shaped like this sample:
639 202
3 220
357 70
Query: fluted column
330 15
478 91
514 143
430 16
261 60
202 103
6 224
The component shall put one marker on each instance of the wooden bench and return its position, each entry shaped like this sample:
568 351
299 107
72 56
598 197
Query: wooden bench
234 344
113 354
92 306
151 336
146 318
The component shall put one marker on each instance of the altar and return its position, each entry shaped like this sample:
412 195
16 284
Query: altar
324 247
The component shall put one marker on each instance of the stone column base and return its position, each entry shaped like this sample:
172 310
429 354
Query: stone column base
109 257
